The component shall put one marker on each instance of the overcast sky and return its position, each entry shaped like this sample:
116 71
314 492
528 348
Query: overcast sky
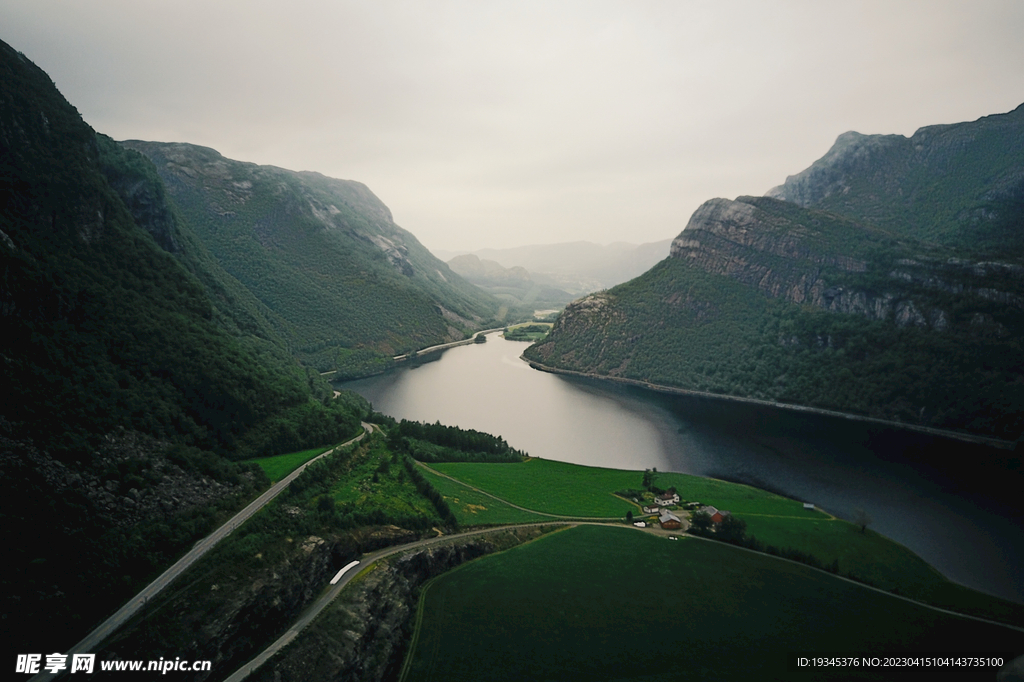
498 124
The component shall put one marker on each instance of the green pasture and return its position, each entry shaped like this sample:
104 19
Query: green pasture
580 491
472 508
375 481
881 562
549 486
575 490
599 603
279 466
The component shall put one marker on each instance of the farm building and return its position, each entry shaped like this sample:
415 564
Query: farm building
669 521
665 499
715 514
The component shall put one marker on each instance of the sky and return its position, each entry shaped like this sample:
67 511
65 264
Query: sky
493 124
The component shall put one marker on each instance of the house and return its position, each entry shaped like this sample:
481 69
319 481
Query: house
808 505
716 515
651 509
669 521
666 499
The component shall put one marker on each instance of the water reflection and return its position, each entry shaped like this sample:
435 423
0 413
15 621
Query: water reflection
838 464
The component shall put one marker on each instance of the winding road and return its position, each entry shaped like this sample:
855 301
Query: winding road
107 627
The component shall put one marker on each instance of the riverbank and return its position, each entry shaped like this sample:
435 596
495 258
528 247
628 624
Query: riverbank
671 390
445 346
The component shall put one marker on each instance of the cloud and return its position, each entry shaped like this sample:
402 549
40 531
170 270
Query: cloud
505 123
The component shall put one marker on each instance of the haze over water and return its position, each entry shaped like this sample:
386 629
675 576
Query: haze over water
837 464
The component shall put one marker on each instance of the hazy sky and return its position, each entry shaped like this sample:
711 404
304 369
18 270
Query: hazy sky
496 124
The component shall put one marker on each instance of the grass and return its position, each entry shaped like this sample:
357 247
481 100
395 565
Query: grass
645 608
548 486
376 481
279 466
472 508
574 490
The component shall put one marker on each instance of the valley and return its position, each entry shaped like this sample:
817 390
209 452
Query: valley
227 381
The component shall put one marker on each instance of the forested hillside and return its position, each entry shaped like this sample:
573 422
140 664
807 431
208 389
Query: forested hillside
348 288
133 370
889 308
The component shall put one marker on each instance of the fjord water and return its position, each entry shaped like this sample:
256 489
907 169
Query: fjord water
837 464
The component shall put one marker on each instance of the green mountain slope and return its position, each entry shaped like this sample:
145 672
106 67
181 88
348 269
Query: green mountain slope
960 184
350 287
763 299
132 368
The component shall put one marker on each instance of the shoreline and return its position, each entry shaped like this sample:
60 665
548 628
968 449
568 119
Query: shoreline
671 390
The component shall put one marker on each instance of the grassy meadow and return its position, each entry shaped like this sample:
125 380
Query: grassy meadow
646 608
376 480
574 490
472 508
279 466
580 491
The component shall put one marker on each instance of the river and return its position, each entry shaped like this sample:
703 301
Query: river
838 464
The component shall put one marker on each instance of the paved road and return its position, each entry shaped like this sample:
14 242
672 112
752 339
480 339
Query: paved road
442 346
368 560
328 596
107 627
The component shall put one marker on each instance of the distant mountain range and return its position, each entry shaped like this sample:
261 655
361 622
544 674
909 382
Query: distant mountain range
886 280
576 267
515 285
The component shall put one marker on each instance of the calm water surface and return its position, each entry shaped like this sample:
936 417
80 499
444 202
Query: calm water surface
837 464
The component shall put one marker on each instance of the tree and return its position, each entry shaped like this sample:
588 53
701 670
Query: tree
862 519
732 529
649 476
629 516
701 522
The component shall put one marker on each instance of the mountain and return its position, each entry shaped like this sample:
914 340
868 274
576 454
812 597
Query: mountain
889 304
960 184
133 369
578 267
346 287
516 285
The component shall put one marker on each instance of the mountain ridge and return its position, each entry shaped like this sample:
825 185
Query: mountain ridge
352 288
821 306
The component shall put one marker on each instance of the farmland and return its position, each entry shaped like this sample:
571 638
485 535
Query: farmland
646 608
578 491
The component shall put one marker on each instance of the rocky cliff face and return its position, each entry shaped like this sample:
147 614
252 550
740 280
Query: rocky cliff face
960 184
229 616
886 280
797 256
365 633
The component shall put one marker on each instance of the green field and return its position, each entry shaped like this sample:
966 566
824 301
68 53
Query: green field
472 508
279 466
574 490
597 603
376 480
